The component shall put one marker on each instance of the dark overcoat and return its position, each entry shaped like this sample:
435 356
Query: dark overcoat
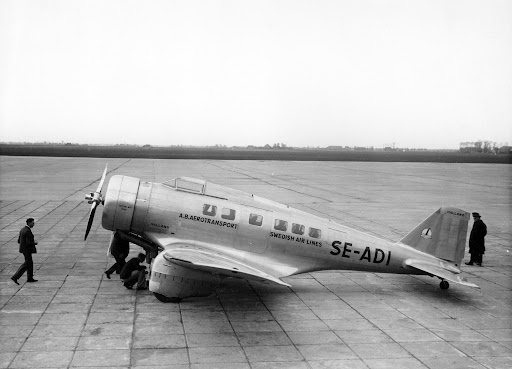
26 241
476 238
120 248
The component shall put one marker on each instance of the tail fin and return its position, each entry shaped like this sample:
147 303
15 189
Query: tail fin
443 234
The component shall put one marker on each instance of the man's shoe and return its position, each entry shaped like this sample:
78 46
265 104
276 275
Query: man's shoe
127 286
31 280
141 288
468 263
479 264
15 280
107 274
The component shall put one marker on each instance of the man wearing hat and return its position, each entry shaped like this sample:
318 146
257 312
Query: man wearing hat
476 240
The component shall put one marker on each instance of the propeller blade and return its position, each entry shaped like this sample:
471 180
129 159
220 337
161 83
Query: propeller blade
91 218
95 199
102 179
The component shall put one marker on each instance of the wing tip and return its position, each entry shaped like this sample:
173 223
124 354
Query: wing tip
465 282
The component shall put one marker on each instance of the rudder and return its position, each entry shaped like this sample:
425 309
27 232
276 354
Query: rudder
443 234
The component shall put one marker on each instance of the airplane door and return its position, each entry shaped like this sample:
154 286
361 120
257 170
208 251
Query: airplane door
253 230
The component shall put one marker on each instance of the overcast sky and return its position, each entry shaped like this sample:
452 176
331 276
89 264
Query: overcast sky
425 74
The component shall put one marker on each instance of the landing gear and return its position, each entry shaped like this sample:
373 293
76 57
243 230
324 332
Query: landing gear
444 285
163 298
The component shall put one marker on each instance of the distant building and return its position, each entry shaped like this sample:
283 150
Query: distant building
335 148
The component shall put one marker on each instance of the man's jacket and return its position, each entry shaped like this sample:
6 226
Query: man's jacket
131 265
26 241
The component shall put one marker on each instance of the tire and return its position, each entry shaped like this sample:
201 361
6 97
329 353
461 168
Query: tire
166 299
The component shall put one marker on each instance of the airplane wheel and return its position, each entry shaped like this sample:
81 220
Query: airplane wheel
163 298
444 285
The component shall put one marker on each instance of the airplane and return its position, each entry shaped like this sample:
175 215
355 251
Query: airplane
197 233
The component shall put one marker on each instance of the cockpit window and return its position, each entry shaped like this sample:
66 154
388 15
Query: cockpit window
210 210
189 185
298 228
280 225
315 233
170 183
228 214
256 219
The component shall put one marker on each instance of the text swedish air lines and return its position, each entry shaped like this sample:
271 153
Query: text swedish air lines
287 237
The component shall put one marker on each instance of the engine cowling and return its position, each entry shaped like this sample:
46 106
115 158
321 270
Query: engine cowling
171 282
120 203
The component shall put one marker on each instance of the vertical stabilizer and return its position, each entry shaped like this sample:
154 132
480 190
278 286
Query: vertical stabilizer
443 234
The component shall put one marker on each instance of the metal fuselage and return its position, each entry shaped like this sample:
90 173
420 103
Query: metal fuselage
270 236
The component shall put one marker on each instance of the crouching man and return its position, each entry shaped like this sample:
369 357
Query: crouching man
133 273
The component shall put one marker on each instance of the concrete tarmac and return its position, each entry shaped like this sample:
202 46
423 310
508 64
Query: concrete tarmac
75 317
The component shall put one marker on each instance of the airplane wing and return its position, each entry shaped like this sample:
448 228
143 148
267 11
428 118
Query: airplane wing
439 271
216 262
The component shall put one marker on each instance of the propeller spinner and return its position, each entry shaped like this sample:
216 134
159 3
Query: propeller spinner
95 198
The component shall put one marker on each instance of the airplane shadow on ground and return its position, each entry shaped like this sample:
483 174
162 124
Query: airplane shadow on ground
236 289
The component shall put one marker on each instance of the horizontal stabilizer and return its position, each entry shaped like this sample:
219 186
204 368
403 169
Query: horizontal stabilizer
215 262
443 271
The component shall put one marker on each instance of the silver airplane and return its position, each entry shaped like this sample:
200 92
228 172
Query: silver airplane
196 233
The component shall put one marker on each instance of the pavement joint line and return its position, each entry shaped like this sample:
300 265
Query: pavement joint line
94 182
280 325
234 331
333 331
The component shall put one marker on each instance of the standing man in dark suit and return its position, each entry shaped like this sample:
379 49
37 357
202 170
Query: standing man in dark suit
27 248
476 240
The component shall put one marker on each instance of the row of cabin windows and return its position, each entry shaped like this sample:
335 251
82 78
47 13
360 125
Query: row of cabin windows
257 220
282 225
226 213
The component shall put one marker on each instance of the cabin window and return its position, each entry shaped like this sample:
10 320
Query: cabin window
315 233
210 210
256 219
280 225
298 228
228 214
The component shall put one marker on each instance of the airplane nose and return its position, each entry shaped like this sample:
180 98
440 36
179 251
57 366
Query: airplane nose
120 203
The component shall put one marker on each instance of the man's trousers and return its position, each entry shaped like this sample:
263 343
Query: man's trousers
27 266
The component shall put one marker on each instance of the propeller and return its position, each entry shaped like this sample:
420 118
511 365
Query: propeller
95 198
